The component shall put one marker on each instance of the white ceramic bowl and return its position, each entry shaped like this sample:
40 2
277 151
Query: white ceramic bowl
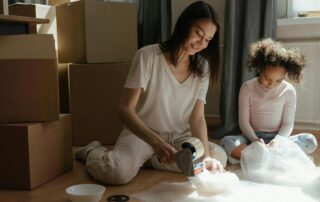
85 192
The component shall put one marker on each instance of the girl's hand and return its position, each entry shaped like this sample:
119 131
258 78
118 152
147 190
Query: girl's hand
272 143
213 165
164 151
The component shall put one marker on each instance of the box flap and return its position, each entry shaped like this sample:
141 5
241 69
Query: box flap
38 46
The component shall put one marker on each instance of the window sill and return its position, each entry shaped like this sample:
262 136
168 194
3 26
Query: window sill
298 21
299 28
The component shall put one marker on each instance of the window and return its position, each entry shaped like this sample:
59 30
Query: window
294 8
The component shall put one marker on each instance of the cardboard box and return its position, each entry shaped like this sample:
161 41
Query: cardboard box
95 92
64 88
94 31
38 11
34 153
4 7
28 79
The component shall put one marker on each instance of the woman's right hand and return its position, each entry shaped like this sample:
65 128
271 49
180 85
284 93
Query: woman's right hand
164 151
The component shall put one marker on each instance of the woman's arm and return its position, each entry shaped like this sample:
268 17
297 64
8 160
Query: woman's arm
198 125
199 130
130 119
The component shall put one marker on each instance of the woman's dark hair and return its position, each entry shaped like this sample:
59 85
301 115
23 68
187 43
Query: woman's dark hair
267 52
192 14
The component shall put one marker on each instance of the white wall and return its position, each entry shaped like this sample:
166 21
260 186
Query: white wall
213 96
305 35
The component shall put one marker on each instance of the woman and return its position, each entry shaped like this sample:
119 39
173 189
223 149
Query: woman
163 101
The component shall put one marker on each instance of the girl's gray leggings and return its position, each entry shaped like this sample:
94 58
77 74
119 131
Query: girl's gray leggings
306 141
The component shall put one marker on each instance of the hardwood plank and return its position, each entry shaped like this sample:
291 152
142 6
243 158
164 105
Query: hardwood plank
54 191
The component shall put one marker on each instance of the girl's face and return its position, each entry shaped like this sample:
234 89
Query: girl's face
200 35
272 76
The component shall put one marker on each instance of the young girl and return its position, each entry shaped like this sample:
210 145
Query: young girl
267 104
163 101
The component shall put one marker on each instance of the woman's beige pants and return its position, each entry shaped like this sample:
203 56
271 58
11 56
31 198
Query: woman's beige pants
122 163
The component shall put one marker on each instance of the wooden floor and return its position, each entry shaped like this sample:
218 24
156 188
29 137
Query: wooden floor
54 190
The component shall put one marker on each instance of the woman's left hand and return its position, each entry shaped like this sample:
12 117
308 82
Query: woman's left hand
212 165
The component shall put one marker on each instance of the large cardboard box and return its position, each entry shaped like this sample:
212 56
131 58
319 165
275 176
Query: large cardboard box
95 92
4 7
64 88
34 153
28 79
37 11
95 31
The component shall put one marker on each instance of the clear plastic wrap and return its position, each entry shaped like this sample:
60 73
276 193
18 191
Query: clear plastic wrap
281 162
281 172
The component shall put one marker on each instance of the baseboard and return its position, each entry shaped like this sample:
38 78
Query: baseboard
307 125
214 121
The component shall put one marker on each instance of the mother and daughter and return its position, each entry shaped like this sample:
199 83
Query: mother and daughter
165 93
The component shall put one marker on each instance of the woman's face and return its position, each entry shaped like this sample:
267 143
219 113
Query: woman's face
200 35
272 76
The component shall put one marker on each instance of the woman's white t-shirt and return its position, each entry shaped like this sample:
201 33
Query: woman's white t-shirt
165 105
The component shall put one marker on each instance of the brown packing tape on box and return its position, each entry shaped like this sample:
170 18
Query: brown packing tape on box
34 153
95 92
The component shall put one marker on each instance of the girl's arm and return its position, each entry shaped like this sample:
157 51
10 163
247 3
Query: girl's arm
130 119
289 110
198 125
244 114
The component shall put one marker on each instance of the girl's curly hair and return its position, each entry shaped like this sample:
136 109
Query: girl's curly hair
267 52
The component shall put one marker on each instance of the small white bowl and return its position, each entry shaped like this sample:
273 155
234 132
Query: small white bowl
85 192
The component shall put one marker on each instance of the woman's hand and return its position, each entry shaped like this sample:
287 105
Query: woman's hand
164 151
213 165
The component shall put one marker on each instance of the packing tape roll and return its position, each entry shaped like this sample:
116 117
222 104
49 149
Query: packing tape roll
195 145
